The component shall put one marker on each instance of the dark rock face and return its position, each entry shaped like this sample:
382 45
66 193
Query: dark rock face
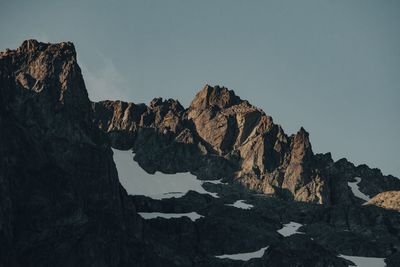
61 203
298 250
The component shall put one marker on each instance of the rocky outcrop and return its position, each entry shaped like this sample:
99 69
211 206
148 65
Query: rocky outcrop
222 136
387 200
61 201
161 137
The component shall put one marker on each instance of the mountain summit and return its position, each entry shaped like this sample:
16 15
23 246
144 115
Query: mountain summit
61 203
223 136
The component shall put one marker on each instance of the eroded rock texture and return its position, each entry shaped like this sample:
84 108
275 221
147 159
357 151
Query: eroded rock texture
61 203
222 136
388 200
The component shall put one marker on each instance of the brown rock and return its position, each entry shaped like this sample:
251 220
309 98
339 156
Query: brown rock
387 200
220 129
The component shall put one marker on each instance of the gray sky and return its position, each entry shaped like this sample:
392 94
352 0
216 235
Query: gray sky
330 66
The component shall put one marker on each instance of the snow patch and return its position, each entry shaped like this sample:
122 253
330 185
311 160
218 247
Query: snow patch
244 256
137 181
356 189
365 261
151 215
290 229
240 204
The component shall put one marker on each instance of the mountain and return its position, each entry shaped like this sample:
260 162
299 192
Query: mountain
222 136
61 203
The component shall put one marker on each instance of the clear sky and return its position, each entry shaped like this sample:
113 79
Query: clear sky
330 66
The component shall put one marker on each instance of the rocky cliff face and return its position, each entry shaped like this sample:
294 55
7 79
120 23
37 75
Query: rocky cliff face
222 136
61 203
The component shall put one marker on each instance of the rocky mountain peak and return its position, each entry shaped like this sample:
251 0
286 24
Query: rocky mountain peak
214 96
32 46
57 173
35 62
60 190
219 129
48 80
302 149
168 105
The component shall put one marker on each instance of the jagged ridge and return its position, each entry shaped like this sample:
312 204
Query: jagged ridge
61 203
219 131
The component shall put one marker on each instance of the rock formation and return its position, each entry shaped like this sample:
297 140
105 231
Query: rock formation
61 203
387 200
222 136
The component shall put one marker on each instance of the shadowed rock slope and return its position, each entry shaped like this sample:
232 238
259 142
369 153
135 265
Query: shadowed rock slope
61 203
